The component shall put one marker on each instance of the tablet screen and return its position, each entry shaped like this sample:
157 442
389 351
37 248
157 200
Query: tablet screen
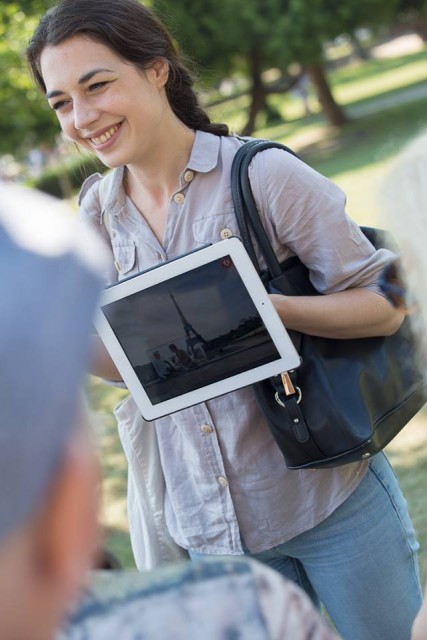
190 331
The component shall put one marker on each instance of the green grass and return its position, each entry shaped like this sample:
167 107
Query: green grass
357 158
103 399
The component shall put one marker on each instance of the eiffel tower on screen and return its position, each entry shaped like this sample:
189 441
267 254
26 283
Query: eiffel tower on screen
195 342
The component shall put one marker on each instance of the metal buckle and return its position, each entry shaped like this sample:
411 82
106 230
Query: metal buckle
290 389
282 404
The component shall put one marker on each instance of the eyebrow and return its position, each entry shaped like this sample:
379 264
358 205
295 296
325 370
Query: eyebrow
84 78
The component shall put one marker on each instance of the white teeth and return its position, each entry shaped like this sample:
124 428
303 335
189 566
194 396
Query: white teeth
105 136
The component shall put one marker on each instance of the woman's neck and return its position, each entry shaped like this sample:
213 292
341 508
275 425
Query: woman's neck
159 175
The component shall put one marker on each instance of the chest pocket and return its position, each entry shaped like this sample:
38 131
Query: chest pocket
125 258
214 228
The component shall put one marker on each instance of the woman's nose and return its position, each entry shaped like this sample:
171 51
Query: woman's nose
85 114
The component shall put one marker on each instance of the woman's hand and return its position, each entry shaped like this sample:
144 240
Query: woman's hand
353 313
101 364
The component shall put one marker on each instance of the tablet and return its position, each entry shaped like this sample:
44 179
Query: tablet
192 329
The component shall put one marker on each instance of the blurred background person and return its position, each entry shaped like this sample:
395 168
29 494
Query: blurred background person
404 199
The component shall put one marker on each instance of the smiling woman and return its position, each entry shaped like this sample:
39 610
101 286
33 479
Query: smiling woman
119 88
102 102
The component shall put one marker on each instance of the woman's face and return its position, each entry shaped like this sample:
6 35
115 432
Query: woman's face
104 103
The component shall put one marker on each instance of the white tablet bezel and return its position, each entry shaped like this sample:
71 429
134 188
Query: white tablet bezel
233 247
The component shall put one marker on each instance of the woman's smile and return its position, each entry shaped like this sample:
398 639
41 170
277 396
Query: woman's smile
106 138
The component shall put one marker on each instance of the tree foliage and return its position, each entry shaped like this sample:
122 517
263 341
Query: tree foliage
26 121
255 35
222 36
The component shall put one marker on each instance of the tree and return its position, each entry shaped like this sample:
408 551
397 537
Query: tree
26 121
232 36
255 35
309 24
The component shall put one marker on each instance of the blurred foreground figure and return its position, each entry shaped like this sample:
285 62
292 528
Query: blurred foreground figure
204 599
405 203
48 473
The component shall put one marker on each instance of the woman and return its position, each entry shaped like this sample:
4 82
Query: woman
114 78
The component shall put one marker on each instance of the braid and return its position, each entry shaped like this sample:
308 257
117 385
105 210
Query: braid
185 103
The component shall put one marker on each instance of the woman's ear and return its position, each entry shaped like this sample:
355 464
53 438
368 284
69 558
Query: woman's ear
158 72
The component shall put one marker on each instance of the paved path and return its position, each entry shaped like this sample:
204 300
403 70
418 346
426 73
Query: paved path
386 102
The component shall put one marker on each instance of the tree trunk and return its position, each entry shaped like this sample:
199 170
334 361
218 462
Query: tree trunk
333 112
258 92
420 28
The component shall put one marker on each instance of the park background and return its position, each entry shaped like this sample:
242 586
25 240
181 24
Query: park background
342 83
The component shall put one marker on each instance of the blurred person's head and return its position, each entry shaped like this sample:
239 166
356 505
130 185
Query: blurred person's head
405 209
404 204
48 471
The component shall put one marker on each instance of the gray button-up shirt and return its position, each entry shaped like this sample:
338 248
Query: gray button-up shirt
224 474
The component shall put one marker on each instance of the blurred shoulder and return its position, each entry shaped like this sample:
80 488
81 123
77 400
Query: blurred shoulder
224 598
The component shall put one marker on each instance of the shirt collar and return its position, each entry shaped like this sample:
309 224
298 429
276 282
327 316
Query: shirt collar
115 196
203 158
205 152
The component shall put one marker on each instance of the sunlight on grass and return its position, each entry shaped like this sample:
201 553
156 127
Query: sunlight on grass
362 188
395 79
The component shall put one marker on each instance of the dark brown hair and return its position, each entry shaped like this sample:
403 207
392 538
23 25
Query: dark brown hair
135 34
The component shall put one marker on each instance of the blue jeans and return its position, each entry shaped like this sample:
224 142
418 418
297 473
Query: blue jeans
360 562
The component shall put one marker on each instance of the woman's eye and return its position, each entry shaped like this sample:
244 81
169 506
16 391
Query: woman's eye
59 105
97 85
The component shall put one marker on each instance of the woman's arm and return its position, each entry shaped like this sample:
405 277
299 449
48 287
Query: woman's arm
353 313
101 364
304 215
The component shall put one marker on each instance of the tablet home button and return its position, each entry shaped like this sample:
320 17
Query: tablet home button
206 428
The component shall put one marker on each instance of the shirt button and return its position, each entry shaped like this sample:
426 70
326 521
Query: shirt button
117 265
223 481
226 233
206 428
179 198
188 176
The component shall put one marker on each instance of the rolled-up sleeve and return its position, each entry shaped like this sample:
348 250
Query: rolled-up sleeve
305 212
